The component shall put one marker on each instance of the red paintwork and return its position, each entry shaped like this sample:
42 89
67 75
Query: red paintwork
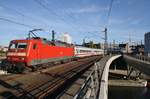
43 51
15 58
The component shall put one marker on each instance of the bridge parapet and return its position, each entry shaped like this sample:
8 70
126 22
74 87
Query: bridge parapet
89 88
141 63
93 84
103 94
142 58
96 84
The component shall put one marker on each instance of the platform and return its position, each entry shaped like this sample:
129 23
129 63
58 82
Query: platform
128 83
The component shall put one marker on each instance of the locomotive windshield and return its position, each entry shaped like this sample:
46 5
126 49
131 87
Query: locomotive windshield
18 45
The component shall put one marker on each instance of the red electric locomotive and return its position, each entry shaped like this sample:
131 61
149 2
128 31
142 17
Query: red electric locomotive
34 51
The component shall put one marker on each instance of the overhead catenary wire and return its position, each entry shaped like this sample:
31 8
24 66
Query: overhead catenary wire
49 10
60 17
15 22
109 13
70 16
12 10
106 28
21 14
81 24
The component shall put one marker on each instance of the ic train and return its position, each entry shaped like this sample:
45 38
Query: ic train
32 53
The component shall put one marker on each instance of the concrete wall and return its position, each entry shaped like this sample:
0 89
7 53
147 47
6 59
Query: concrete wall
104 80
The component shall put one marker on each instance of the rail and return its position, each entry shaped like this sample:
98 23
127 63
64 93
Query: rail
48 83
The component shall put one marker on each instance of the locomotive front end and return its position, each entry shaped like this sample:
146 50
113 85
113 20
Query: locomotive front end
16 56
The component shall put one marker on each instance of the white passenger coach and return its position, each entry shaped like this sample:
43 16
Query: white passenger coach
84 51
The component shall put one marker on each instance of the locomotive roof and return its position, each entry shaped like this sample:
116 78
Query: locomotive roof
45 41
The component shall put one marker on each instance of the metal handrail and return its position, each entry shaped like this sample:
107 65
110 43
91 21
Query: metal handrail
143 58
80 94
91 81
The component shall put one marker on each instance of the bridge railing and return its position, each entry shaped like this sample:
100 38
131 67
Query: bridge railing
90 88
142 58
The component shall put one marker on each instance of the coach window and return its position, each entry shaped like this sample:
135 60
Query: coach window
34 46
78 51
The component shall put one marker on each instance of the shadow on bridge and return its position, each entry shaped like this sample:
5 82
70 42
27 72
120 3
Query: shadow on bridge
141 63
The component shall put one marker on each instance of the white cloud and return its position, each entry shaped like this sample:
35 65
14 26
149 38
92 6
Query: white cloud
88 9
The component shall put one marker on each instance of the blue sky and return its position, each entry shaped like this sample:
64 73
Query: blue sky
80 18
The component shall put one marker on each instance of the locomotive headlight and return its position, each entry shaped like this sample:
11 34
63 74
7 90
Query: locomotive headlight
22 58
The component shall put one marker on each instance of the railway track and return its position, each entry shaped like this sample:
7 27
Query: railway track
45 82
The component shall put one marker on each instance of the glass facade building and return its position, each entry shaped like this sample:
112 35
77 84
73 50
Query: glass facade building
147 44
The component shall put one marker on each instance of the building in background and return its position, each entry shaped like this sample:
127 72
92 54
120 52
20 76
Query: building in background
147 44
3 49
132 48
124 47
66 38
113 49
91 44
140 49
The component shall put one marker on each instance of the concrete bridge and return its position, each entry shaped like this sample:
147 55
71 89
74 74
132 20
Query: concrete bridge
92 84
100 72
95 80
141 63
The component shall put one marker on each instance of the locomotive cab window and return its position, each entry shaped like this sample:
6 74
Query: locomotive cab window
18 45
13 45
34 46
22 45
